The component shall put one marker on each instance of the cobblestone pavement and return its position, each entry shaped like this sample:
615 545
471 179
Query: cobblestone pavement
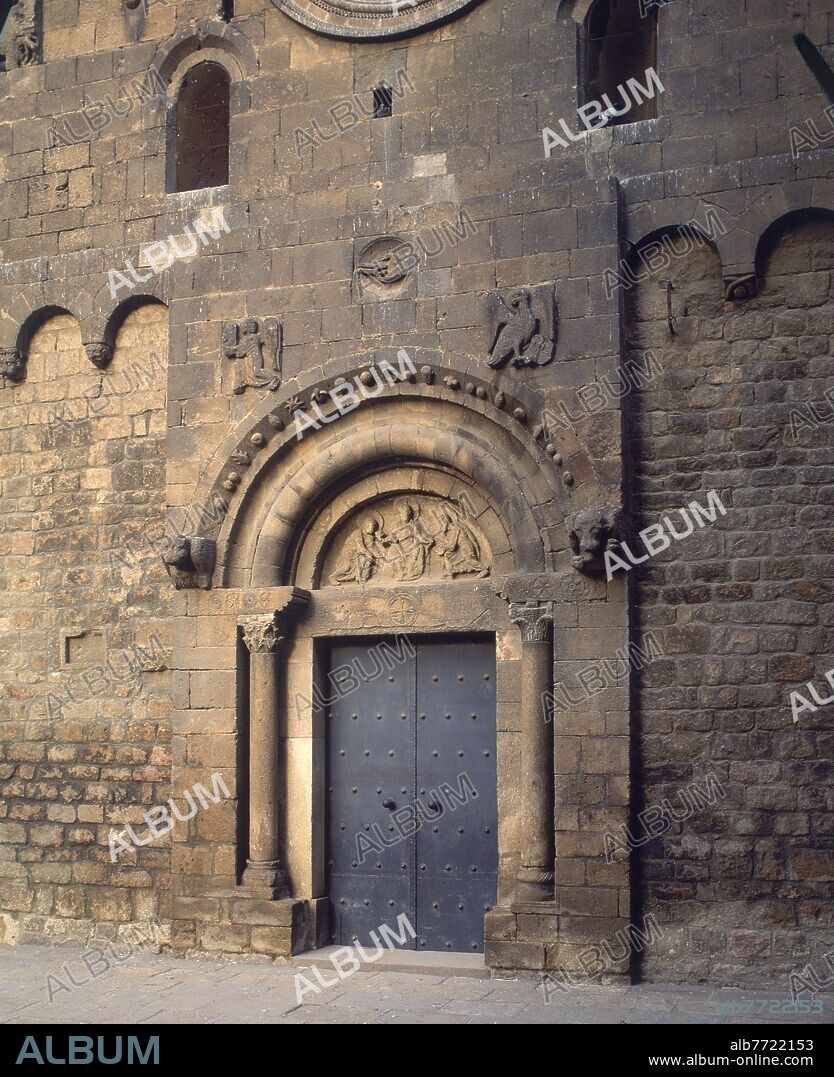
157 989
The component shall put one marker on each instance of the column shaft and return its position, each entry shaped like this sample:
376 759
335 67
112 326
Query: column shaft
264 870
537 772
535 873
263 758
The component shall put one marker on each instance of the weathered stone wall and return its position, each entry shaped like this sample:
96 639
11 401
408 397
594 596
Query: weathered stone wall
85 707
742 610
465 135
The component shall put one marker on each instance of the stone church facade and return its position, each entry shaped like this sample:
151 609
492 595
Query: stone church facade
336 375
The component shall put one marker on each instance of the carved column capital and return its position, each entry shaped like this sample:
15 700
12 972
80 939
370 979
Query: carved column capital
535 620
262 633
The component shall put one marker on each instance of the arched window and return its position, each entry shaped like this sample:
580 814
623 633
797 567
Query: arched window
202 128
621 44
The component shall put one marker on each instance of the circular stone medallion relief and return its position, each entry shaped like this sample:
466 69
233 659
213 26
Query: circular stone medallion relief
371 19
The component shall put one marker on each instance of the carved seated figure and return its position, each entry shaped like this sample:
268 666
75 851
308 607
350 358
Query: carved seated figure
362 555
458 545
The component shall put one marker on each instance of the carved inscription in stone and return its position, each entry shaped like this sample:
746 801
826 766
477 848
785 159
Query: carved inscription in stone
407 539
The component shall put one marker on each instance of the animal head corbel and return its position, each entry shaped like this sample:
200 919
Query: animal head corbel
189 560
593 532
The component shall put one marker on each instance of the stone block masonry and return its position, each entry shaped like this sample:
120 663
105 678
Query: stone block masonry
170 408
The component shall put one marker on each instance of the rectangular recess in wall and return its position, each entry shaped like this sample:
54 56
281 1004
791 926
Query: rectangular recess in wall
80 647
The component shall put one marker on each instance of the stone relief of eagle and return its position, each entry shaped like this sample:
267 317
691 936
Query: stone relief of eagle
522 326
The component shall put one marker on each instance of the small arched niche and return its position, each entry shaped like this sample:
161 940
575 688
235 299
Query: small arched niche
796 243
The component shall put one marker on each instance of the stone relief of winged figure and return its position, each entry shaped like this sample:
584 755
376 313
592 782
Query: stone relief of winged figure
256 347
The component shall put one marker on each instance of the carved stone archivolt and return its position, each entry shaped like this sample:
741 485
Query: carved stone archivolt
280 422
300 539
406 539
255 346
522 325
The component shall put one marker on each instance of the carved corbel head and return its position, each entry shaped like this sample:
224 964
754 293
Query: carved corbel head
740 287
99 353
593 531
24 36
12 364
189 560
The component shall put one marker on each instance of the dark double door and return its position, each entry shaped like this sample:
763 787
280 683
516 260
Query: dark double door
411 812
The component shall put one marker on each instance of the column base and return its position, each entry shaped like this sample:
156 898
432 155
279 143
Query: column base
265 879
534 884
235 920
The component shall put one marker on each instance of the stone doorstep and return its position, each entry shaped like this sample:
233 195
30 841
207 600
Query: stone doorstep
430 962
